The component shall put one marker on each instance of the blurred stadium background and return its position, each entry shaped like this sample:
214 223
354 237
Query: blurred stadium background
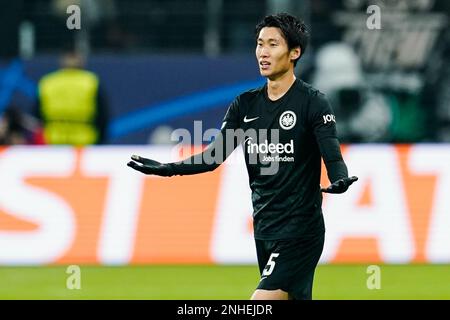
165 64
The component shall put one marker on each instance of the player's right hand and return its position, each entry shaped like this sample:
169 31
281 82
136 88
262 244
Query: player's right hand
149 166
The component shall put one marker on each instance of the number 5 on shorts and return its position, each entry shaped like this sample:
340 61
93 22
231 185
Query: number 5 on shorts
270 264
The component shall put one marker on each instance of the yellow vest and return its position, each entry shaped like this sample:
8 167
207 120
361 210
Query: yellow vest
68 100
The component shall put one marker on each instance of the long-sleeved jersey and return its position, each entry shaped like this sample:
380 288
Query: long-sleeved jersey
283 143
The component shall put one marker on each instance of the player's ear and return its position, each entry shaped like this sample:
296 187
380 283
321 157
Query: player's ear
295 53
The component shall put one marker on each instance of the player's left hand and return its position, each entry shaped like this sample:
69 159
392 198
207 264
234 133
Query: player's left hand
340 186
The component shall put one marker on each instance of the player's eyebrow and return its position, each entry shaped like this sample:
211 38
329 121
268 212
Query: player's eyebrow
268 40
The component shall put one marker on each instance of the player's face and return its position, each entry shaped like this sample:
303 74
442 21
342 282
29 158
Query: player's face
273 55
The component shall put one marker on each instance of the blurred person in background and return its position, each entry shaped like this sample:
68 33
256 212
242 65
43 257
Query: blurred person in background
17 128
364 115
71 105
436 92
288 223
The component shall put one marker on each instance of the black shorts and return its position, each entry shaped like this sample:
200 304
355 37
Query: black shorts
289 264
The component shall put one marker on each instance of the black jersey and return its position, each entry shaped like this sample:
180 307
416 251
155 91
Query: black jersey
283 142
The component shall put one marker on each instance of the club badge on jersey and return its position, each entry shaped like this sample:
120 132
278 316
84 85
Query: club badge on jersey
288 120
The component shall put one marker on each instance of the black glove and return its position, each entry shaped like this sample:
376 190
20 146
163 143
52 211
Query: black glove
340 186
149 166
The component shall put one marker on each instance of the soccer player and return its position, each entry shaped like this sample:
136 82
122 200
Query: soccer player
285 128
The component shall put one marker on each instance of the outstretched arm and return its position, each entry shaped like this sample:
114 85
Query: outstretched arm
336 168
324 127
208 160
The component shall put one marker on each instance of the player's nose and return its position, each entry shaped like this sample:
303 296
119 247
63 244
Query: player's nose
263 53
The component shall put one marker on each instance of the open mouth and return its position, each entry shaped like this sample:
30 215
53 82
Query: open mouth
264 65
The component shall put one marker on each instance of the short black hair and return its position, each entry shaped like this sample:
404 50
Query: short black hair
293 30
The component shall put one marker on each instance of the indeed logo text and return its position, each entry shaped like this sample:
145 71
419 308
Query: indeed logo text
267 147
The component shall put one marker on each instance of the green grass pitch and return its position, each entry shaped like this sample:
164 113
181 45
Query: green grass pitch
218 282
